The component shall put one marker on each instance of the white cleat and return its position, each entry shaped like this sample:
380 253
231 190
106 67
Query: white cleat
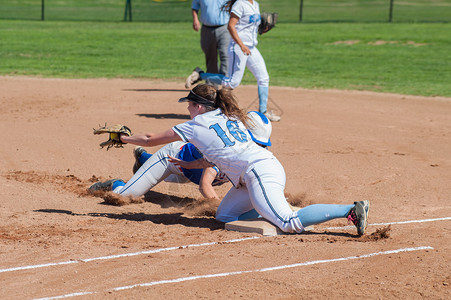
271 116
193 78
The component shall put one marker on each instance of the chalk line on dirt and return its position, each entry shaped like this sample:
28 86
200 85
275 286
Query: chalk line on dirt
308 263
124 255
191 246
395 223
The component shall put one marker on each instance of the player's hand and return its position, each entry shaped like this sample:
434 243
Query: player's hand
195 164
179 163
184 164
245 50
174 160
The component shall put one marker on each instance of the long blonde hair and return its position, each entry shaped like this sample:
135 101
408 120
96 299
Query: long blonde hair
223 99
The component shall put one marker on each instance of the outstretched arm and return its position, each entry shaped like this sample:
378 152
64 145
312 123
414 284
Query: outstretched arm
152 139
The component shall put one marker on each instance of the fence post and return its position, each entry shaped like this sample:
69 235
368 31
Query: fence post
300 10
390 16
42 10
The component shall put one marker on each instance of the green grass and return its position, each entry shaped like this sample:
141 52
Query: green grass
180 10
413 59
375 10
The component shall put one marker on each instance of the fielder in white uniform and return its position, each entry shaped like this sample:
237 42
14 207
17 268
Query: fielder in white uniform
217 129
151 169
243 52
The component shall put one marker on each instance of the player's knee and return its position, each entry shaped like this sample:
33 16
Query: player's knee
290 223
234 85
293 226
263 81
230 83
225 218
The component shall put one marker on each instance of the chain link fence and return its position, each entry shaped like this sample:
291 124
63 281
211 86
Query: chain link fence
290 11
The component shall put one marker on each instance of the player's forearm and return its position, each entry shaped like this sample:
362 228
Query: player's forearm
203 163
151 139
200 163
137 139
233 32
236 37
205 184
208 192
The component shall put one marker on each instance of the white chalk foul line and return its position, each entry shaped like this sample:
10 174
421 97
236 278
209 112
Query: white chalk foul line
308 263
395 223
413 221
123 255
189 246
68 295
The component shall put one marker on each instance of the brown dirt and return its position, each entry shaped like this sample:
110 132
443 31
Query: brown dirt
336 146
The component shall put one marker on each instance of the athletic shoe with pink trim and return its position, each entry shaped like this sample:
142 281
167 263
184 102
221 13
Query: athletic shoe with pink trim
358 215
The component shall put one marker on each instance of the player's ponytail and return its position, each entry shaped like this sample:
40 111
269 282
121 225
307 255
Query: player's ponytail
223 99
228 104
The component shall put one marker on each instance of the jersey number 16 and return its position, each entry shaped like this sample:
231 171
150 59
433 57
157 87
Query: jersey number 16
234 130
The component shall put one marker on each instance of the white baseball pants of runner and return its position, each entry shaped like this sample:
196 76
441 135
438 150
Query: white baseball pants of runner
238 62
263 190
156 169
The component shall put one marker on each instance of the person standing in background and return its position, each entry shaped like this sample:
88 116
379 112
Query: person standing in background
214 36
243 26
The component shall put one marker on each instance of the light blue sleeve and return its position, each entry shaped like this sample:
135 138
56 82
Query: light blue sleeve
195 5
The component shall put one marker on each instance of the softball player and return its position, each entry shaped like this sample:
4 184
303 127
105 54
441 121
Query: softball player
151 169
217 129
243 27
157 168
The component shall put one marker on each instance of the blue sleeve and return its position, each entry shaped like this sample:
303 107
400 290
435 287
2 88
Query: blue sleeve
195 5
189 153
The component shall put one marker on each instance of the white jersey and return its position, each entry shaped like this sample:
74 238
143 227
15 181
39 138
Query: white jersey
249 20
223 142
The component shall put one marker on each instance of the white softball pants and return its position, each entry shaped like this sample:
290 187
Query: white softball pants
238 62
263 190
153 171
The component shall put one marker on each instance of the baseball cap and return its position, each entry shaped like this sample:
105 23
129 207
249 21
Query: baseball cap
193 97
259 128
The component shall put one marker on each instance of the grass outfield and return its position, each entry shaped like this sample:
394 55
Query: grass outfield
180 10
400 58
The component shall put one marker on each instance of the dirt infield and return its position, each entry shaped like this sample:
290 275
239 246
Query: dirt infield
336 147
